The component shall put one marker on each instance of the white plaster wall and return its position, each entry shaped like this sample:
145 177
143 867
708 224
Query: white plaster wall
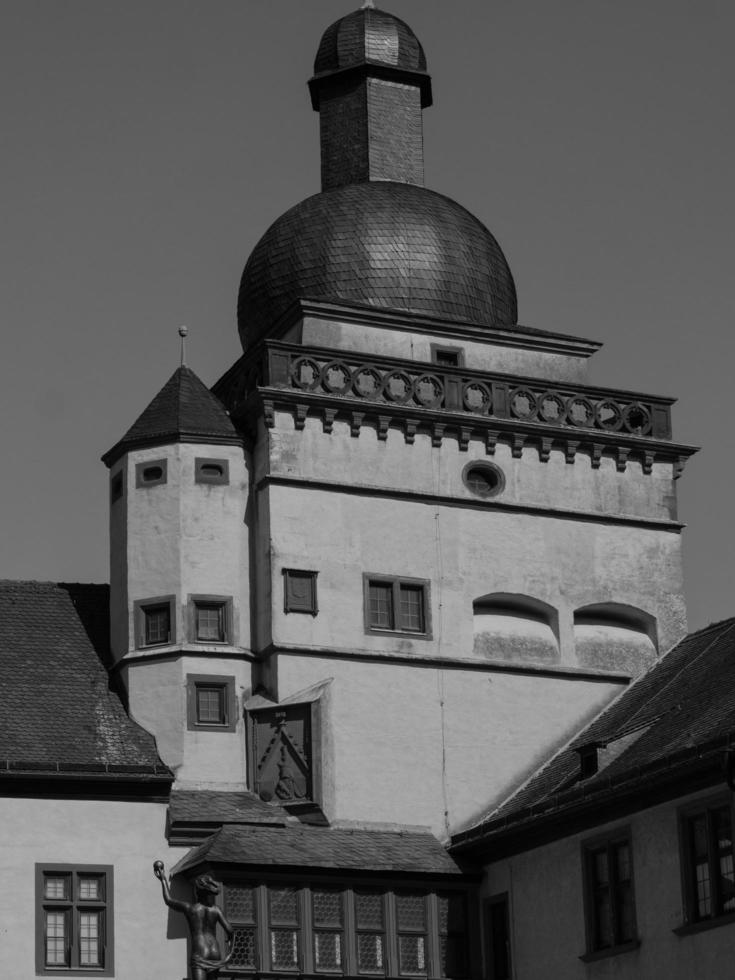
423 468
479 355
547 909
158 702
417 745
181 538
148 940
465 554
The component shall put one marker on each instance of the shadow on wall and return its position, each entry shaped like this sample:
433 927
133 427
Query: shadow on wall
516 628
613 636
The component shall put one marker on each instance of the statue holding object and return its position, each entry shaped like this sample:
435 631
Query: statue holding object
203 916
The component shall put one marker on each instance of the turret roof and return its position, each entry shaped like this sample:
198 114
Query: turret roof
184 410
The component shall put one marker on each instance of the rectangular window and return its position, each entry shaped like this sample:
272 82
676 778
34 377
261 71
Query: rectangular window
74 919
452 916
447 356
610 904
327 916
370 927
240 909
154 621
707 847
411 926
210 619
210 702
396 605
284 928
497 937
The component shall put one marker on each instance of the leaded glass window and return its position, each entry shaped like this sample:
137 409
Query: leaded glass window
240 905
370 925
284 928
411 922
327 914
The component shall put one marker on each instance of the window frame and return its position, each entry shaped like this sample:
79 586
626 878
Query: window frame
140 468
224 603
227 684
589 847
438 349
262 925
396 582
143 606
489 905
685 815
72 906
219 480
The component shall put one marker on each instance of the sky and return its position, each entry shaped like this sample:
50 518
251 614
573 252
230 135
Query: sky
148 144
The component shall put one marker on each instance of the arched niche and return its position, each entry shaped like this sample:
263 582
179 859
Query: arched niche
516 628
615 636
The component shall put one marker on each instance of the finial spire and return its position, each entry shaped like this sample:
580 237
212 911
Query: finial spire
368 5
183 331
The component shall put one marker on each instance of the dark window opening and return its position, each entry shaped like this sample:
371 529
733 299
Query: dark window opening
709 874
210 702
215 471
74 919
447 356
396 605
497 936
116 487
483 479
210 621
157 624
610 904
151 474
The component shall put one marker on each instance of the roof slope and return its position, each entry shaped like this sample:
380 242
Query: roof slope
681 709
184 410
58 712
413 852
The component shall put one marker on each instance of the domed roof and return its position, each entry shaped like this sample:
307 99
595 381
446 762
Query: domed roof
382 244
369 35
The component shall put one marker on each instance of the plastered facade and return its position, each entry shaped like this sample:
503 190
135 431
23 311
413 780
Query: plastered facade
545 887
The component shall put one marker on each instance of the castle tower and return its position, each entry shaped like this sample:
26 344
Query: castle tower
462 550
179 582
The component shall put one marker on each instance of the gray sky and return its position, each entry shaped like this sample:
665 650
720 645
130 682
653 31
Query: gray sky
148 144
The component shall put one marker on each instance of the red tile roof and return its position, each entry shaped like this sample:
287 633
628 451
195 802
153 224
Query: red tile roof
59 713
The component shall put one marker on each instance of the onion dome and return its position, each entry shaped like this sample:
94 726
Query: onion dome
371 36
381 244
375 236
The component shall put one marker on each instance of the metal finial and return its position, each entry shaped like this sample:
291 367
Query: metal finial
183 331
368 5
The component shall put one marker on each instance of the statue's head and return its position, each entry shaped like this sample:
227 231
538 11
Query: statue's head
205 886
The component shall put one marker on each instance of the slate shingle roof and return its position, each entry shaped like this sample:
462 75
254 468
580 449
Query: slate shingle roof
57 711
207 810
308 848
675 720
184 410
382 244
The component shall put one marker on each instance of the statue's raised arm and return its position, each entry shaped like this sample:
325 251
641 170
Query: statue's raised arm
202 916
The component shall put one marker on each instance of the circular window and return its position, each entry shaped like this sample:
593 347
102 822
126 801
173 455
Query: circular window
483 479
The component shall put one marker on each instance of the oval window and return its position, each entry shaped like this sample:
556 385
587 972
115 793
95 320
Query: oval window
152 473
213 470
483 479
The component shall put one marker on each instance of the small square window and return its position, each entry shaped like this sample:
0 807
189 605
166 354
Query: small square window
396 605
74 920
151 473
215 471
447 356
154 622
210 702
609 905
210 619
299 591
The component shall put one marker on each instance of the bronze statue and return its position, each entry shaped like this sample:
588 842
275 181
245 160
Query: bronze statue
202 916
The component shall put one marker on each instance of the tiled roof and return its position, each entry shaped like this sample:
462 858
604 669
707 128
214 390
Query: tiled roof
382 244
184 410
320 848
676 718
58 713
369 35
207 808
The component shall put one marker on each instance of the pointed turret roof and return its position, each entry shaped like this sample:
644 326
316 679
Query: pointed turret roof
184 410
